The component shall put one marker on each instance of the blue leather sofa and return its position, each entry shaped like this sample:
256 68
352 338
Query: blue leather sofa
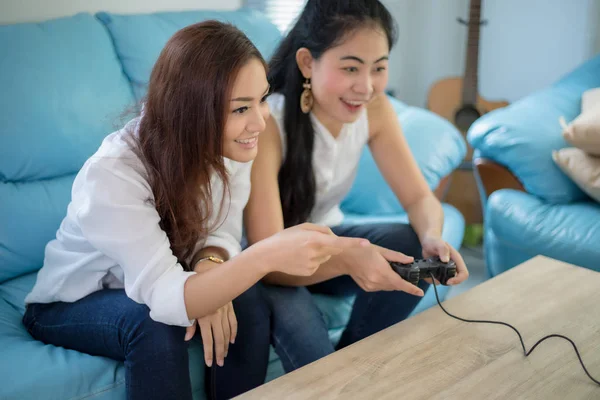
531 206
64 85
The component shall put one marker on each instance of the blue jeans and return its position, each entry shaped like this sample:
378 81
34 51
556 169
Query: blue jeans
108 323
299 333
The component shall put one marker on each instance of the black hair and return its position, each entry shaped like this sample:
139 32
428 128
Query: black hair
322 25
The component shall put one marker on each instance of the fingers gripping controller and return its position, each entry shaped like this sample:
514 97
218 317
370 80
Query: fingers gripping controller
420 269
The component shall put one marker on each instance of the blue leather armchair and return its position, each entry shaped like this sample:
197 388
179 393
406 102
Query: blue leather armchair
531 206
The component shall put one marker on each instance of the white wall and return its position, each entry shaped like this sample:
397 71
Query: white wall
430 45
526 45
13 11
527 50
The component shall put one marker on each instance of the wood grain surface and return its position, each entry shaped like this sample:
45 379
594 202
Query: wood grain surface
434 356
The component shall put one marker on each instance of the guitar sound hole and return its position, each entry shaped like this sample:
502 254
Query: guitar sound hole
465 117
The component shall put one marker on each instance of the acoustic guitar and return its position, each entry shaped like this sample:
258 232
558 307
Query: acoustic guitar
457 99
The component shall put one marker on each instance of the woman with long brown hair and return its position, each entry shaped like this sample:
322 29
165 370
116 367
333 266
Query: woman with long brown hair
150 242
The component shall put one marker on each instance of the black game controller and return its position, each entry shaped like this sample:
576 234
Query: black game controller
420 269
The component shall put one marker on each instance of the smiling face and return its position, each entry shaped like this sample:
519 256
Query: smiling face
346 77
247 112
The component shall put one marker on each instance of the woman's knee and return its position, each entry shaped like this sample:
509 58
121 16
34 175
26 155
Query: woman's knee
286 298
253 322
252 305
394 236
293 307
402 238
155 338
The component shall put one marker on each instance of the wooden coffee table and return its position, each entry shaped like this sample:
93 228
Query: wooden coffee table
434 356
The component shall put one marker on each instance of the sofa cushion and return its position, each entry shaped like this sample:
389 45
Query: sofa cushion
62 91
139 38
435 143
523 135
567 232
37 371
584 131
30 212
57 373
583 168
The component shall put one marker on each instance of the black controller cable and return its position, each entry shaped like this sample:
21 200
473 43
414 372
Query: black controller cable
515 329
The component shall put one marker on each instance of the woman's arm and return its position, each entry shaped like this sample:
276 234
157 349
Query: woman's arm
207 252
400 170
117 220
224 240
263 216
366 264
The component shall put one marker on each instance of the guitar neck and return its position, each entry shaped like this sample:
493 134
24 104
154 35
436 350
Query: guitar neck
470 89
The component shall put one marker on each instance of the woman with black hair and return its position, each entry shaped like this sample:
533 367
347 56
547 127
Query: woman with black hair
328 77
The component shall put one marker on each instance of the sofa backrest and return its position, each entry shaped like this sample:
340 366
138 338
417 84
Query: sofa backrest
139 38
65 85
62 89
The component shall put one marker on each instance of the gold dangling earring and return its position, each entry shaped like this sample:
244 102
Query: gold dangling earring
306 99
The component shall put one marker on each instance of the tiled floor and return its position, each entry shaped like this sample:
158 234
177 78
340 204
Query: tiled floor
473 257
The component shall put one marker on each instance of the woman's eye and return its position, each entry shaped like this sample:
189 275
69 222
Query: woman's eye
351 69
380 69
240 110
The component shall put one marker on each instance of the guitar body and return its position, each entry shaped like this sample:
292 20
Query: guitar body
445 99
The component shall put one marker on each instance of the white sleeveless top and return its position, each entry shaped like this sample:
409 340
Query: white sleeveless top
335 161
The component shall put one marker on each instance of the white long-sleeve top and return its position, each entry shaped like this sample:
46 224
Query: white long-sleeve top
111 238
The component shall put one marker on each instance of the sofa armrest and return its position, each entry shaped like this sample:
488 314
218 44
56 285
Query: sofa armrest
494 176
523 136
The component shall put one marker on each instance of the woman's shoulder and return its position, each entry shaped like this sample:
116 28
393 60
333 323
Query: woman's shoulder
378 111
118 144
116 156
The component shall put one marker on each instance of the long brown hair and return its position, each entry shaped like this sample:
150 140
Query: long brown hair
180 138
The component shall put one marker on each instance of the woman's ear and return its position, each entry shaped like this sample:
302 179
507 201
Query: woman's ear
304 60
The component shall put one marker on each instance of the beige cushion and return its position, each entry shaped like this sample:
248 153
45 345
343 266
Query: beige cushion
590 99
584 131
582 168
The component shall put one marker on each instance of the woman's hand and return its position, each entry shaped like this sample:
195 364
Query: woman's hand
370 269
300 250
218 329
435 246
